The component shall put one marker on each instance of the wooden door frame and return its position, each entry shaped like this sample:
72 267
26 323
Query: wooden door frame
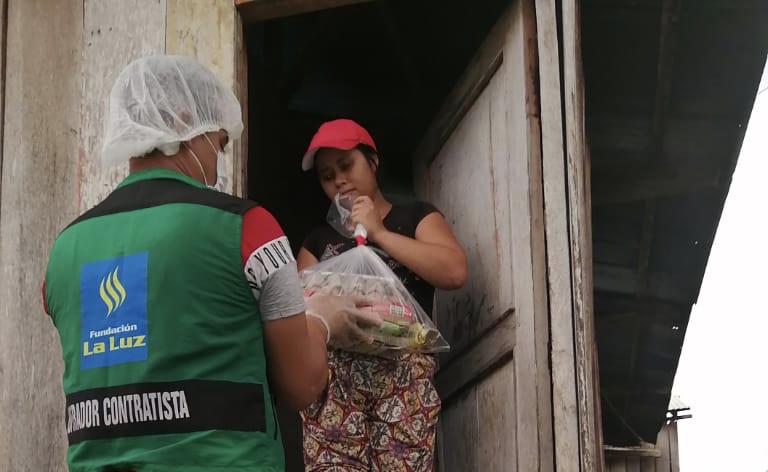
252 11
568 417
260 10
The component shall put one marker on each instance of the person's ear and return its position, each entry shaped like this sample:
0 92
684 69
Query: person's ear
375 162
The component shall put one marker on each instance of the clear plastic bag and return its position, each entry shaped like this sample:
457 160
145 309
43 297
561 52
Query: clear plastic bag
339 215
360 271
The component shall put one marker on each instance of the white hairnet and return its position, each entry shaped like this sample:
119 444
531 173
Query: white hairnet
158 102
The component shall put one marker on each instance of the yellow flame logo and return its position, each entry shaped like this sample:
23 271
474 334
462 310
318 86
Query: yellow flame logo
112 292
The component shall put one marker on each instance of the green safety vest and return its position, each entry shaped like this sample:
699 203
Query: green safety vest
161 335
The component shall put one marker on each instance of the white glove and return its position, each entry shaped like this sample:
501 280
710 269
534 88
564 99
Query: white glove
342 318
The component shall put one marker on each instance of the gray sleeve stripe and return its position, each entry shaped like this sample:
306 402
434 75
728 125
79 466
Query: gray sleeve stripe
281 294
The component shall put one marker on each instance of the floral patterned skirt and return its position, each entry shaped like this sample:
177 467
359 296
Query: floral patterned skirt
376 415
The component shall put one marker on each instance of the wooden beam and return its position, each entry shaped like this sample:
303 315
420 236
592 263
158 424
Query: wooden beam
491 349
640 391
661 285
640 331
661 311
628 188
261 10
670 11
668 38
638 451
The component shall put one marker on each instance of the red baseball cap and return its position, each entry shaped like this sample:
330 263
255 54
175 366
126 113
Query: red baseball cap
339 134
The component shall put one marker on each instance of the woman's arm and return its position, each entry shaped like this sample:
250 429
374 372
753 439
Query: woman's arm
434 255
305 259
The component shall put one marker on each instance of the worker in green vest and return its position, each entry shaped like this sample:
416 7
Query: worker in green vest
179 307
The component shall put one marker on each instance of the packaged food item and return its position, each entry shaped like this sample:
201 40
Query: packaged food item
360 271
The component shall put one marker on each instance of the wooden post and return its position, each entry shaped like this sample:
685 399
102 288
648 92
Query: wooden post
116 33
213 35
38 196
564 398
580 226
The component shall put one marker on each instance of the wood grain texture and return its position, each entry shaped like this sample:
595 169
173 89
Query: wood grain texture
115 33
38 197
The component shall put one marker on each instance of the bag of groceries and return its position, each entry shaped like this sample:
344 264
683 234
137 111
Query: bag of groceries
360 271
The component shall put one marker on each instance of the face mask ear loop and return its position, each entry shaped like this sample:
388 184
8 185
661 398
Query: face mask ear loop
205 181
219 156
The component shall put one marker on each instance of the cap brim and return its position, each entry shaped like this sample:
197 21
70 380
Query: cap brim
308 161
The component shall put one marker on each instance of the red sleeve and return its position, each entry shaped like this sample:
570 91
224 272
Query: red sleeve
259 228
45 306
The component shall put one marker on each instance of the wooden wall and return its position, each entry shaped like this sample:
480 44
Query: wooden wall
506 161
480 164
59 68
668 461
39 194
492 162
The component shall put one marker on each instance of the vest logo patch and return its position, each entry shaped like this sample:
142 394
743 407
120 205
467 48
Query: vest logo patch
113 311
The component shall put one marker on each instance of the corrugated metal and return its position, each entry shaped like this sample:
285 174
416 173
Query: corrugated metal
675 403
669 89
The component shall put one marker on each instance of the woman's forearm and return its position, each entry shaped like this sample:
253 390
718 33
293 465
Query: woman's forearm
441 266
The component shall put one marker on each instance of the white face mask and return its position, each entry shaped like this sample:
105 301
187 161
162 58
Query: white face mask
221 167
221 172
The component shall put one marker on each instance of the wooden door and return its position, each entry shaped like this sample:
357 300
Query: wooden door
480 164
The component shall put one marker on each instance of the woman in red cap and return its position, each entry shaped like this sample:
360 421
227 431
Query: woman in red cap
377 414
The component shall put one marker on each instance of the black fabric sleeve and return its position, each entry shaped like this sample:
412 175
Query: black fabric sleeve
423 209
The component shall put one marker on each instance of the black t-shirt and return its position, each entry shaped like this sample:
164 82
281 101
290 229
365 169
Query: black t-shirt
324 242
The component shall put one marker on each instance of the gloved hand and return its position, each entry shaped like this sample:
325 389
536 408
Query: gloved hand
342 318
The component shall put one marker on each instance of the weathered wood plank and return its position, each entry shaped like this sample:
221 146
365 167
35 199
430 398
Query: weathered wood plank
4 434
38 197
493 347
467 312
633 466
578 174
674 450
3 40
211 32
564 400
664 461
116 32
495 408
240 149
260 10
647 464
460 422
616 464
533 419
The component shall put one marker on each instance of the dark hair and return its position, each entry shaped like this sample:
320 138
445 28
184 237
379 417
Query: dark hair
370 154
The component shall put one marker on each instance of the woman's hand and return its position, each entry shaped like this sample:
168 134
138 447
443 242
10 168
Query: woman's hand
364 213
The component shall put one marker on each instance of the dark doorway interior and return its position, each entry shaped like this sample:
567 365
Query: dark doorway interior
388 64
